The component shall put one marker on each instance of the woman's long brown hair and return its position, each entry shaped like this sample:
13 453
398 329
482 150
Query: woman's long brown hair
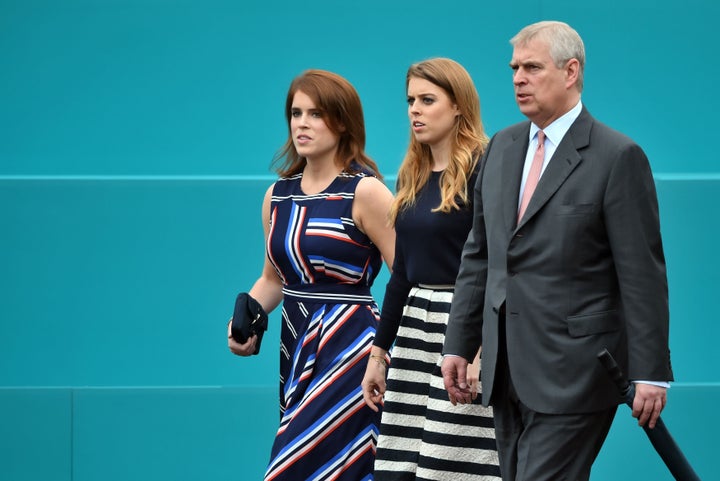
339 104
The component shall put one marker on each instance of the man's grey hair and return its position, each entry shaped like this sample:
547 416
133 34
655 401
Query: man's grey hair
563 40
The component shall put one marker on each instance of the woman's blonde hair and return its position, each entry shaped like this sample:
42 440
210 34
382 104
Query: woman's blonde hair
467 144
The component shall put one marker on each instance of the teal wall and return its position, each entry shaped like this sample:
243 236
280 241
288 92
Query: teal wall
135 146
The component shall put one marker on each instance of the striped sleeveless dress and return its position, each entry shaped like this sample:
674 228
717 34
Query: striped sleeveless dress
329 319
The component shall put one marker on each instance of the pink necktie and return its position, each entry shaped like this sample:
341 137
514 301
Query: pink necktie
534 174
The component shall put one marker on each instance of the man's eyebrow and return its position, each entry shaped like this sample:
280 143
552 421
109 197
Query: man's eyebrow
524 63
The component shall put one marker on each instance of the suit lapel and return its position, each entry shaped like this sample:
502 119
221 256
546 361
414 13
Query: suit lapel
512 167
565 159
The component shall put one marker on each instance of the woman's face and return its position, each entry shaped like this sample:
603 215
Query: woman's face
431 111
311 136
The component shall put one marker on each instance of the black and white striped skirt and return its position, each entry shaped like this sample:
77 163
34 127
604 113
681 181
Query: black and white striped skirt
422 435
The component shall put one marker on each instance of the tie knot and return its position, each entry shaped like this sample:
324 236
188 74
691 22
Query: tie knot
541 137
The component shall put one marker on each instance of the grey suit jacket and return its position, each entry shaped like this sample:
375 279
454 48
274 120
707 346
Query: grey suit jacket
583 271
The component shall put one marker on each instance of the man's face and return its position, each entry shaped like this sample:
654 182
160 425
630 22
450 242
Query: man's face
543 91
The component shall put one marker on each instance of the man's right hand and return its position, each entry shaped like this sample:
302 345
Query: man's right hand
454 371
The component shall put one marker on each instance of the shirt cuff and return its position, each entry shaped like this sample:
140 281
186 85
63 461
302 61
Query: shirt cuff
666 385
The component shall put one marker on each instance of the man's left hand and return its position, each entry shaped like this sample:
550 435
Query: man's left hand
648 403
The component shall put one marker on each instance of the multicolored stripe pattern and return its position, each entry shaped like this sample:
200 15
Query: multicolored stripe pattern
329 317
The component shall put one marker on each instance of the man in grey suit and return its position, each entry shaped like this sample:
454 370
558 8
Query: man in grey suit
580 269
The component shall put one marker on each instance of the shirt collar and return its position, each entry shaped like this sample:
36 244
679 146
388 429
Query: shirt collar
559 127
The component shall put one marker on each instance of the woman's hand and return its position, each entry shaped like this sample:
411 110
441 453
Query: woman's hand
373 383
245 349
473 376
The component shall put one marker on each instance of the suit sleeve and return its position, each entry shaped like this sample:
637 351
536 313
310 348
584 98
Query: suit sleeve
633 227
463 336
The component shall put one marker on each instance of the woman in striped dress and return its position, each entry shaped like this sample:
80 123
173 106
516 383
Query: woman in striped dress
422 435
326 230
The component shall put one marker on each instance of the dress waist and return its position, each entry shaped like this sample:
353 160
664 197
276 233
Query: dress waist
331 293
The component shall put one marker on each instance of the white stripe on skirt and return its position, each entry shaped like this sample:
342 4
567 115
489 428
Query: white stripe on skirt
422 435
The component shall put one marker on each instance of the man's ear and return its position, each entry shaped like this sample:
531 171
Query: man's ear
572 71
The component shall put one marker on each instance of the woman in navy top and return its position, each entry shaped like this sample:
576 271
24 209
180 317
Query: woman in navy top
422 435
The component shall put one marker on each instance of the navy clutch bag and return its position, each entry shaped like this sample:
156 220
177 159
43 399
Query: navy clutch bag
249 318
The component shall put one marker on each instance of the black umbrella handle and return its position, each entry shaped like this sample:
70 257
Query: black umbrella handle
624 386
659 436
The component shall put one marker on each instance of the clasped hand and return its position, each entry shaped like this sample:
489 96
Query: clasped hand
461 379
245 349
